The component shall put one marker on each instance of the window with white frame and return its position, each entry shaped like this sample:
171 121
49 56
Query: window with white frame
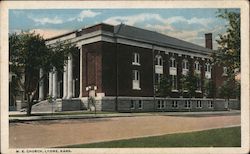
198 84
224 71
174 82
132 104
172 62
159 60
136 79
185 67
207 67
208 71
187 104
160 104
136 59
140 105
210 104
174 104
158 78
198 105
197 66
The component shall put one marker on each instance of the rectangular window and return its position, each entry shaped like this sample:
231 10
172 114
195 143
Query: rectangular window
174 82
185 64
140 104
132 104
136 59
210 104
174 104
158 78
136 79
198 104
187 104
198 84
160 104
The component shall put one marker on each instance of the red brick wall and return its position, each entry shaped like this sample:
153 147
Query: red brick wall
92 66
99 68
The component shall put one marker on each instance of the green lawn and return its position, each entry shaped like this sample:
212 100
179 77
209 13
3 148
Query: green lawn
224 137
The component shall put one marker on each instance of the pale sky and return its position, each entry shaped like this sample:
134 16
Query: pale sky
186 24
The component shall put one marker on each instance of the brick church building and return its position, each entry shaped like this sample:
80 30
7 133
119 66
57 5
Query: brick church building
122 65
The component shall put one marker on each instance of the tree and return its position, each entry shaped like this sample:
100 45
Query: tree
29 54
228 53
164 87
228 89
189 83
209 88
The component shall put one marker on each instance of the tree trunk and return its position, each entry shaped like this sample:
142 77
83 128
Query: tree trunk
29 106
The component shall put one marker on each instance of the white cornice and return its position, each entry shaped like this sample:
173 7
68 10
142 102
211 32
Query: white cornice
109 37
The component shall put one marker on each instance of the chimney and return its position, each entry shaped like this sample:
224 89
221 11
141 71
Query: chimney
209 40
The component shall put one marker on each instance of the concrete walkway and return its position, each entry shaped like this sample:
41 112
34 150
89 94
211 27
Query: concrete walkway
38 134
110 115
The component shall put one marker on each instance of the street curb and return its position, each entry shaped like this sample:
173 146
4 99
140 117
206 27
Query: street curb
88 116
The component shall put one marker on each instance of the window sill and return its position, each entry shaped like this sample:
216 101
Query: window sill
137 64
198 91
136 88
174 90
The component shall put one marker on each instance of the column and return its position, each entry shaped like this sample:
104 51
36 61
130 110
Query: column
70 77
65 81
74 84
41 85
80 76
50 83
54 91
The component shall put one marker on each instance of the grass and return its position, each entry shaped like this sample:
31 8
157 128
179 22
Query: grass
62 113
223 137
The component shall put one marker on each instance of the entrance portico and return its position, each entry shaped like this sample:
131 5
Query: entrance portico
66 85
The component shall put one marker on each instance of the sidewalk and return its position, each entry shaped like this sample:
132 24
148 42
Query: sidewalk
111 115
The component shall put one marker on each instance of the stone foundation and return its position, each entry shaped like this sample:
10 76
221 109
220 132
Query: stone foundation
151 105
148 104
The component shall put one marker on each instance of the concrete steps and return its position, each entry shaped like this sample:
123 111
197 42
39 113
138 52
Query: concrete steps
45 106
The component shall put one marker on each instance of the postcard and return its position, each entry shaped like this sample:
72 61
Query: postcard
124 77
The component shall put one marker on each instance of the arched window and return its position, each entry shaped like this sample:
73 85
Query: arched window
207 67
159 60
172 62
197 66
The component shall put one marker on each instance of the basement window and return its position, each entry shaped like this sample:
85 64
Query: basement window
132 104
174 104
140 104
210 104
160 104
187 104
198 105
